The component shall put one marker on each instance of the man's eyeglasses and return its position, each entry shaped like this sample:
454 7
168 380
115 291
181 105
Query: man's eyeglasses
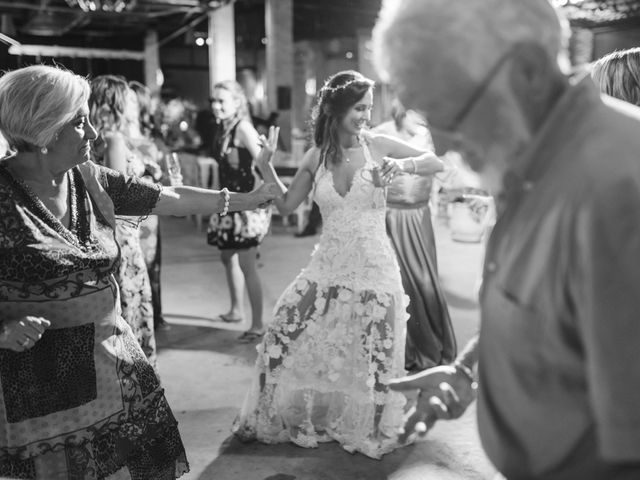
475 98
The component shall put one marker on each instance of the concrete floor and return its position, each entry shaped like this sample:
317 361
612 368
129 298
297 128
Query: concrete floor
206 373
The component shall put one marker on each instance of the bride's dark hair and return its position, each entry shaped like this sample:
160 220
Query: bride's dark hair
339 93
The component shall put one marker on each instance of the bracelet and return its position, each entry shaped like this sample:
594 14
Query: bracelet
415 166
227 197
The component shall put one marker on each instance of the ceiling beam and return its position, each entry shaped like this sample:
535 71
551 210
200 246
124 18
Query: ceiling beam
73 52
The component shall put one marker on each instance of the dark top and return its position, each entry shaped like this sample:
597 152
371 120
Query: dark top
235 164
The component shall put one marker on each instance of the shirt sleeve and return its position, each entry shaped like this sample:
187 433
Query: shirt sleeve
607 285
130 195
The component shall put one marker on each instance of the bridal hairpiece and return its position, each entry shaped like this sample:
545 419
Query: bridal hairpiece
327 89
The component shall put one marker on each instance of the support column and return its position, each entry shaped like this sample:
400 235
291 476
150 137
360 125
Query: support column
222 50
151 61
279 29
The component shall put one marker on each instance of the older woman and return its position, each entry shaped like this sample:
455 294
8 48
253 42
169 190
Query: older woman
78 398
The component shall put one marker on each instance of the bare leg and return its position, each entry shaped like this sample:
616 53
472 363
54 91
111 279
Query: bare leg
247 261
235 281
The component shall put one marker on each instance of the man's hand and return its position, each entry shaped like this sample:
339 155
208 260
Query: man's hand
444 392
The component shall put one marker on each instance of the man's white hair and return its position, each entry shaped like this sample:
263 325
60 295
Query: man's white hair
412 36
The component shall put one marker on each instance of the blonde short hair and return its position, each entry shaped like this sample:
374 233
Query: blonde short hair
36 102
618 75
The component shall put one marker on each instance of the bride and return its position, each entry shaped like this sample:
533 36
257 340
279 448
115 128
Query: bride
339 329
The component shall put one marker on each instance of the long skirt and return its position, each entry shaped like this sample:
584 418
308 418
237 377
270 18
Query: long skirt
430 337
322 370
84 403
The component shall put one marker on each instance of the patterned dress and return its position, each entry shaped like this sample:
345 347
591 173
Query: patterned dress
237 230
149 231
132 276
337 336
84 402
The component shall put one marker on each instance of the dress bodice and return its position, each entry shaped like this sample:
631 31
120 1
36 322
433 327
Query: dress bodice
354 248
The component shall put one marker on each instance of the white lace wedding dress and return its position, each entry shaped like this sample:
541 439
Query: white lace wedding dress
338 335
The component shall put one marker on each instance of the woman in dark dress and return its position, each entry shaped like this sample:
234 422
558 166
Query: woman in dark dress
238 235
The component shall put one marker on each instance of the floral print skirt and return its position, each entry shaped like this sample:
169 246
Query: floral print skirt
239 230
322 369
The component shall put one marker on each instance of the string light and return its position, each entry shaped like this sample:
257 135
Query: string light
115 6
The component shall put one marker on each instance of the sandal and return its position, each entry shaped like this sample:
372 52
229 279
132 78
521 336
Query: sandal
250 337
229 319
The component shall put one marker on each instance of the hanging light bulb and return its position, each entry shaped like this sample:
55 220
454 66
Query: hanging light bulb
115 6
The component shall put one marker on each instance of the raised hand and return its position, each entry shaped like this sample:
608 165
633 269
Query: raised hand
269 145
23 333
445 392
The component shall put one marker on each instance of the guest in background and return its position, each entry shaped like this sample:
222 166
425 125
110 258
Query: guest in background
141 136
113 106
618 75
430 337
238 235
206 127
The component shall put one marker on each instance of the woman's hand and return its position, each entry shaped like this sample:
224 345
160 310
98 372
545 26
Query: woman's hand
23 333
262 196
269 146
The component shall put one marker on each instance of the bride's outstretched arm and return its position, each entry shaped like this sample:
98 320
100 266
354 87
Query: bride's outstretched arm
302 182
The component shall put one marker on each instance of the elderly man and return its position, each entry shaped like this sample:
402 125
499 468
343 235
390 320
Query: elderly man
559 345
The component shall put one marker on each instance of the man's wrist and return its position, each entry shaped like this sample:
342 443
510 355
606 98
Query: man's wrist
466 370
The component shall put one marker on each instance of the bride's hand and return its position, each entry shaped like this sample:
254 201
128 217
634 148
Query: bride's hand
269 146
390 168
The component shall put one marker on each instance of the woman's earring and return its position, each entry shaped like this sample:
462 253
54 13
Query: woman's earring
44 150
